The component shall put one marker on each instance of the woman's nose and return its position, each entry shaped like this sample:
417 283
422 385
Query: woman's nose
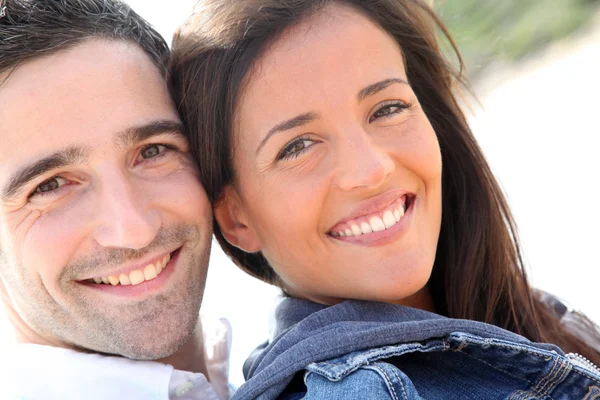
362 163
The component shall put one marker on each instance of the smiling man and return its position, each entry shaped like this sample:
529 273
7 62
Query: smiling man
104 228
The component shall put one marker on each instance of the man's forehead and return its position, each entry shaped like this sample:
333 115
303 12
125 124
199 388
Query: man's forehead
83 98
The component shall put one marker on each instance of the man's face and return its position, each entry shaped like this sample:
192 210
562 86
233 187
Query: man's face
96 183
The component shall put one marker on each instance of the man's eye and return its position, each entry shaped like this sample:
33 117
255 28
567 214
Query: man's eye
152 150
49 186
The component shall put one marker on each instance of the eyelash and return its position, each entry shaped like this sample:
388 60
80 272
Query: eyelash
388 105
167 149
286 153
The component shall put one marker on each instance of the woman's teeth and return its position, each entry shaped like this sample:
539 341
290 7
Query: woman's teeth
375 223
136 276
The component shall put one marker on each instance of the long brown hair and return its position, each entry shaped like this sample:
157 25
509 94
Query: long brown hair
478 272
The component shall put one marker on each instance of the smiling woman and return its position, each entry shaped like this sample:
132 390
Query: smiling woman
341 168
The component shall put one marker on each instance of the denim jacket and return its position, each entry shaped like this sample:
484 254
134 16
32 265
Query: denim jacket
366 350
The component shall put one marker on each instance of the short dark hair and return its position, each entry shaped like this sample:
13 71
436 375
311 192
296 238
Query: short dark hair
35 28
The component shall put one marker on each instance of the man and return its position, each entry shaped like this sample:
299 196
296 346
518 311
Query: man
104 228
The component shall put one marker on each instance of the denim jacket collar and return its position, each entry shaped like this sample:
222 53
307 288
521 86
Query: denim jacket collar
307 332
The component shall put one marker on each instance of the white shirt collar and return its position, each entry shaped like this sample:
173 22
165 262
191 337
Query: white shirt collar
34 372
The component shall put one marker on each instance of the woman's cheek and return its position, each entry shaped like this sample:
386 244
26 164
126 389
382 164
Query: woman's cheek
422 150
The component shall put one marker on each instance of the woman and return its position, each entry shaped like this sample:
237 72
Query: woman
341 167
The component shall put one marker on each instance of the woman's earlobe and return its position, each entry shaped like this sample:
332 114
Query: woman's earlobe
234 226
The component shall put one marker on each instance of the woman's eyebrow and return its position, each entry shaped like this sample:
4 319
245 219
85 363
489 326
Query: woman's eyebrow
305 118
291 123
378 87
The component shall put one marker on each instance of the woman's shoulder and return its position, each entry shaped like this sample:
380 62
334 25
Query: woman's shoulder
576 323
479 367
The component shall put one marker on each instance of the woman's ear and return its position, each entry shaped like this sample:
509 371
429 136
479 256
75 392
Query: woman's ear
235 227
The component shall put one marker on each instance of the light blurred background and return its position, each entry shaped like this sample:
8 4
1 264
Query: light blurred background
534 65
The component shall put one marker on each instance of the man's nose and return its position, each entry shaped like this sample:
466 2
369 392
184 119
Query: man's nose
127 218
361 162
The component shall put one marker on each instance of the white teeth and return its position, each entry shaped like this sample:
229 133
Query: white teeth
124 279
377 224
136 277
365 228
388 219
149 272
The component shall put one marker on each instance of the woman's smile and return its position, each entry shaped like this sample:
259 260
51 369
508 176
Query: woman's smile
378 221
338 169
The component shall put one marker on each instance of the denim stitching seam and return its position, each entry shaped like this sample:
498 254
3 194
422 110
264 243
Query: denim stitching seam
387 379
560 373
497 369
540 388
547 380
586 376
401 383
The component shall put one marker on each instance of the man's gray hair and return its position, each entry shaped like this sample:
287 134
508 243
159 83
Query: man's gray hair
34 28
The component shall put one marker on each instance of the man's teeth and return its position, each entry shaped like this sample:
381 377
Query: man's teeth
136 276
375 224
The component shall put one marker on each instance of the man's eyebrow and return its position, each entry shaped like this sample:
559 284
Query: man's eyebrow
378 87
78 155
136 134
24 175
291 123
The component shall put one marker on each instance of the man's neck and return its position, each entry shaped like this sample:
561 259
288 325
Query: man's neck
190 357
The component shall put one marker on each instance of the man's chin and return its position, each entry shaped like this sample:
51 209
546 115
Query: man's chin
153 345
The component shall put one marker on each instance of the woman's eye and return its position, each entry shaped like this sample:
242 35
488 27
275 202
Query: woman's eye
295 148
49 186
388 110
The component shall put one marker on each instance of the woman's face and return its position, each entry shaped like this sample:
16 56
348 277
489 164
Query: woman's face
339 169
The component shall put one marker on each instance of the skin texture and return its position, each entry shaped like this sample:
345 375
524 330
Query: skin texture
121 202
353 152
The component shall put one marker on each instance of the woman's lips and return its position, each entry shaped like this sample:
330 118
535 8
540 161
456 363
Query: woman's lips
380 237
374 222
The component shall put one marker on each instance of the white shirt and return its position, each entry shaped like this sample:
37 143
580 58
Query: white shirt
32 372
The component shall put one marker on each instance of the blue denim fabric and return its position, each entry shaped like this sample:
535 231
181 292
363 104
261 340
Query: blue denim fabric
460 366
363 350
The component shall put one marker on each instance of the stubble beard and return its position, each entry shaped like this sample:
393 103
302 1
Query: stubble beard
151 329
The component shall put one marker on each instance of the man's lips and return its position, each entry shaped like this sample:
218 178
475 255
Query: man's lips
134 275
142 290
